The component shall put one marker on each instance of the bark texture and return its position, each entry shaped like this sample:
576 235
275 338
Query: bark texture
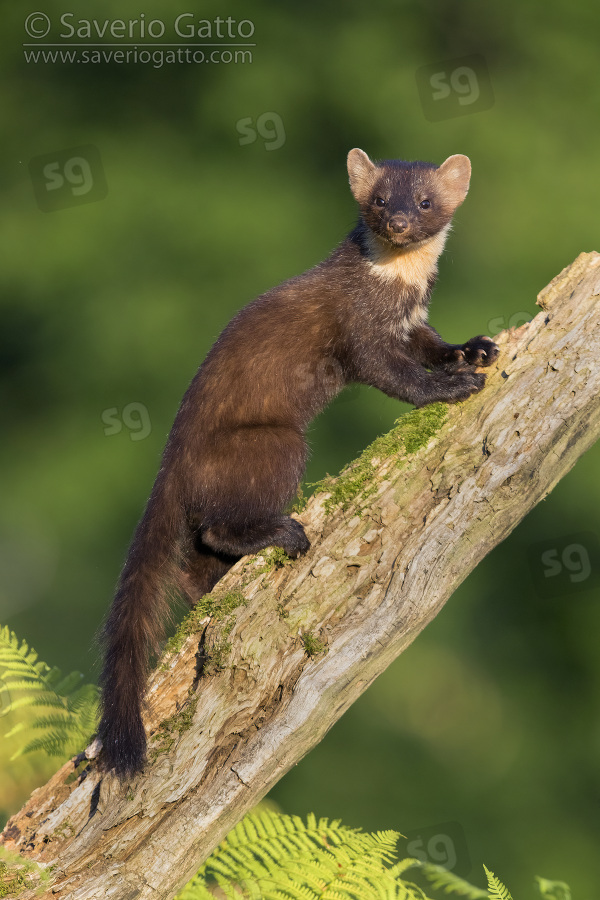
282 650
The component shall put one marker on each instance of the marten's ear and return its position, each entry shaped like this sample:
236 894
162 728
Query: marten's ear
362 174
453 177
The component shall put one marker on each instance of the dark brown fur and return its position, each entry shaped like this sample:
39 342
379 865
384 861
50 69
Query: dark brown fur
237 452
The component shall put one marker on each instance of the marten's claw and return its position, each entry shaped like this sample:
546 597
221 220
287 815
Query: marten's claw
480 351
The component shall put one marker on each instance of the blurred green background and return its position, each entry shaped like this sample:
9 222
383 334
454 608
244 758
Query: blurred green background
224 179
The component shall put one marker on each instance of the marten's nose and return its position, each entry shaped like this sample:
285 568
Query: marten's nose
397 224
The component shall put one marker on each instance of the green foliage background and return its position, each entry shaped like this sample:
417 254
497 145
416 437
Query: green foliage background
491 718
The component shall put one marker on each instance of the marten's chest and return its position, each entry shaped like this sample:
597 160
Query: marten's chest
413 267
405 277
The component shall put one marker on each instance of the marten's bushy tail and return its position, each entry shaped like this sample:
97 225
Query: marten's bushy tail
134 628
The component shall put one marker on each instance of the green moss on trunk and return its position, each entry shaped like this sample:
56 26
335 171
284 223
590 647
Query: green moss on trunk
412 431
215 606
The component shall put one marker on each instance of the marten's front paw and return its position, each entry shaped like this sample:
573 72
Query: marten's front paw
456 361
455 386
480 351
462 384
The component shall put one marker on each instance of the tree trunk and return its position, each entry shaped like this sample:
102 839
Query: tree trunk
392 538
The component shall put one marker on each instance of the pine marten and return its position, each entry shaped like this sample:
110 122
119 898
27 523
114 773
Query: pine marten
237 451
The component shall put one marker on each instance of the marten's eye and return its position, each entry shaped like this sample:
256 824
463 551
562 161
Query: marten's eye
379 201
425 204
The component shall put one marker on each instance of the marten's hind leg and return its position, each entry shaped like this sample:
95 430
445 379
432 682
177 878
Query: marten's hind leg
282 531
201 571
257 472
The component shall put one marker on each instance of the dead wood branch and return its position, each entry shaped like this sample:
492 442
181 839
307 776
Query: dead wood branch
313 635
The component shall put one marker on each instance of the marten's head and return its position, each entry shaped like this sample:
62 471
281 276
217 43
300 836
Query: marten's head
404 203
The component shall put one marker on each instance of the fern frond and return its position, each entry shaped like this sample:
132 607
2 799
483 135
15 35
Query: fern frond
53 743
18 655
404 864
41 698
62 723
16 682
74 705
442 879
292 892
496 890
67 685
553 890
52 676
271 856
